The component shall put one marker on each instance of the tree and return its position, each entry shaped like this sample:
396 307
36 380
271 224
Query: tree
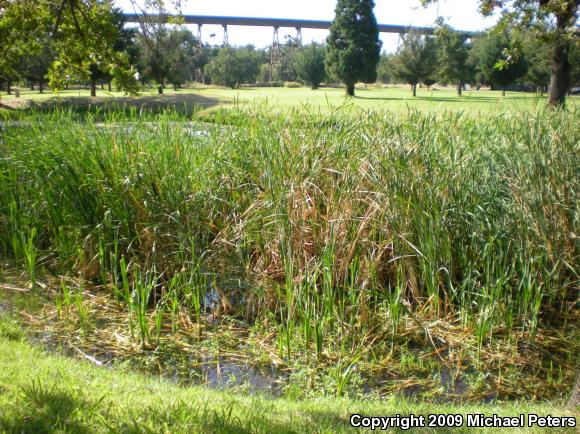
170 55
430 81
500 59
453 55
184 56
117 44
84 41
126 42
126 37
264 73
166 54
153 64
575 63
34 67
310 64
82 33
552 20
415 60
384 70
477 78
233 66
20 37
153 48
353 46
537 53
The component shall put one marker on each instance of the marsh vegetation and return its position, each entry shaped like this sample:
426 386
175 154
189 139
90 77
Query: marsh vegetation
430 254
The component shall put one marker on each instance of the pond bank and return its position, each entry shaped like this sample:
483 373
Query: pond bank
42 391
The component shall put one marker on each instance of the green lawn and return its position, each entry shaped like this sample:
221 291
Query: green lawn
42 392
395 98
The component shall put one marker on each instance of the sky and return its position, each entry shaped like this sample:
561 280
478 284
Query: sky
460 14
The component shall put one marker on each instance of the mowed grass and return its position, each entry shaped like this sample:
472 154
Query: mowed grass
398 98
42 392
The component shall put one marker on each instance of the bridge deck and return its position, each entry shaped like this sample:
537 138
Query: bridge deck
278 22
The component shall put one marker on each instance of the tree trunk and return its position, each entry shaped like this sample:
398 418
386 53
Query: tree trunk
41 86
160 89
8 88
560 62
350 89
32 85
102 86
503 91
109 86
93 87
560 73
459 89
414 85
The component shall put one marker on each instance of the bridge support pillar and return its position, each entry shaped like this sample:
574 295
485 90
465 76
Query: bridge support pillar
199 75
399 41
199 35
225 43
299 36
275 54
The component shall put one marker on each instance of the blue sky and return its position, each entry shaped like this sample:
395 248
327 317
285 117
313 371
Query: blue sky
461 14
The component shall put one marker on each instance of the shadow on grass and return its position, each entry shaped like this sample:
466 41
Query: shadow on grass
184 104
48 409
459 99
259 417
40 408
4 106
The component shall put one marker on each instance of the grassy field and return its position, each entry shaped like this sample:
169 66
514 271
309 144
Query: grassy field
392 98
42 392
397 98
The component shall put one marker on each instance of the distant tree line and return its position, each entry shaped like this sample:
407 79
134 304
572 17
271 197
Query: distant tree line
497 58
448 57
161 55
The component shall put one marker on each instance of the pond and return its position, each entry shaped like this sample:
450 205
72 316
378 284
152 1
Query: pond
225 353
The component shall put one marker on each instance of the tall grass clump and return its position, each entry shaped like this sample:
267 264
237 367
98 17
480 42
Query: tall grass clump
334 228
